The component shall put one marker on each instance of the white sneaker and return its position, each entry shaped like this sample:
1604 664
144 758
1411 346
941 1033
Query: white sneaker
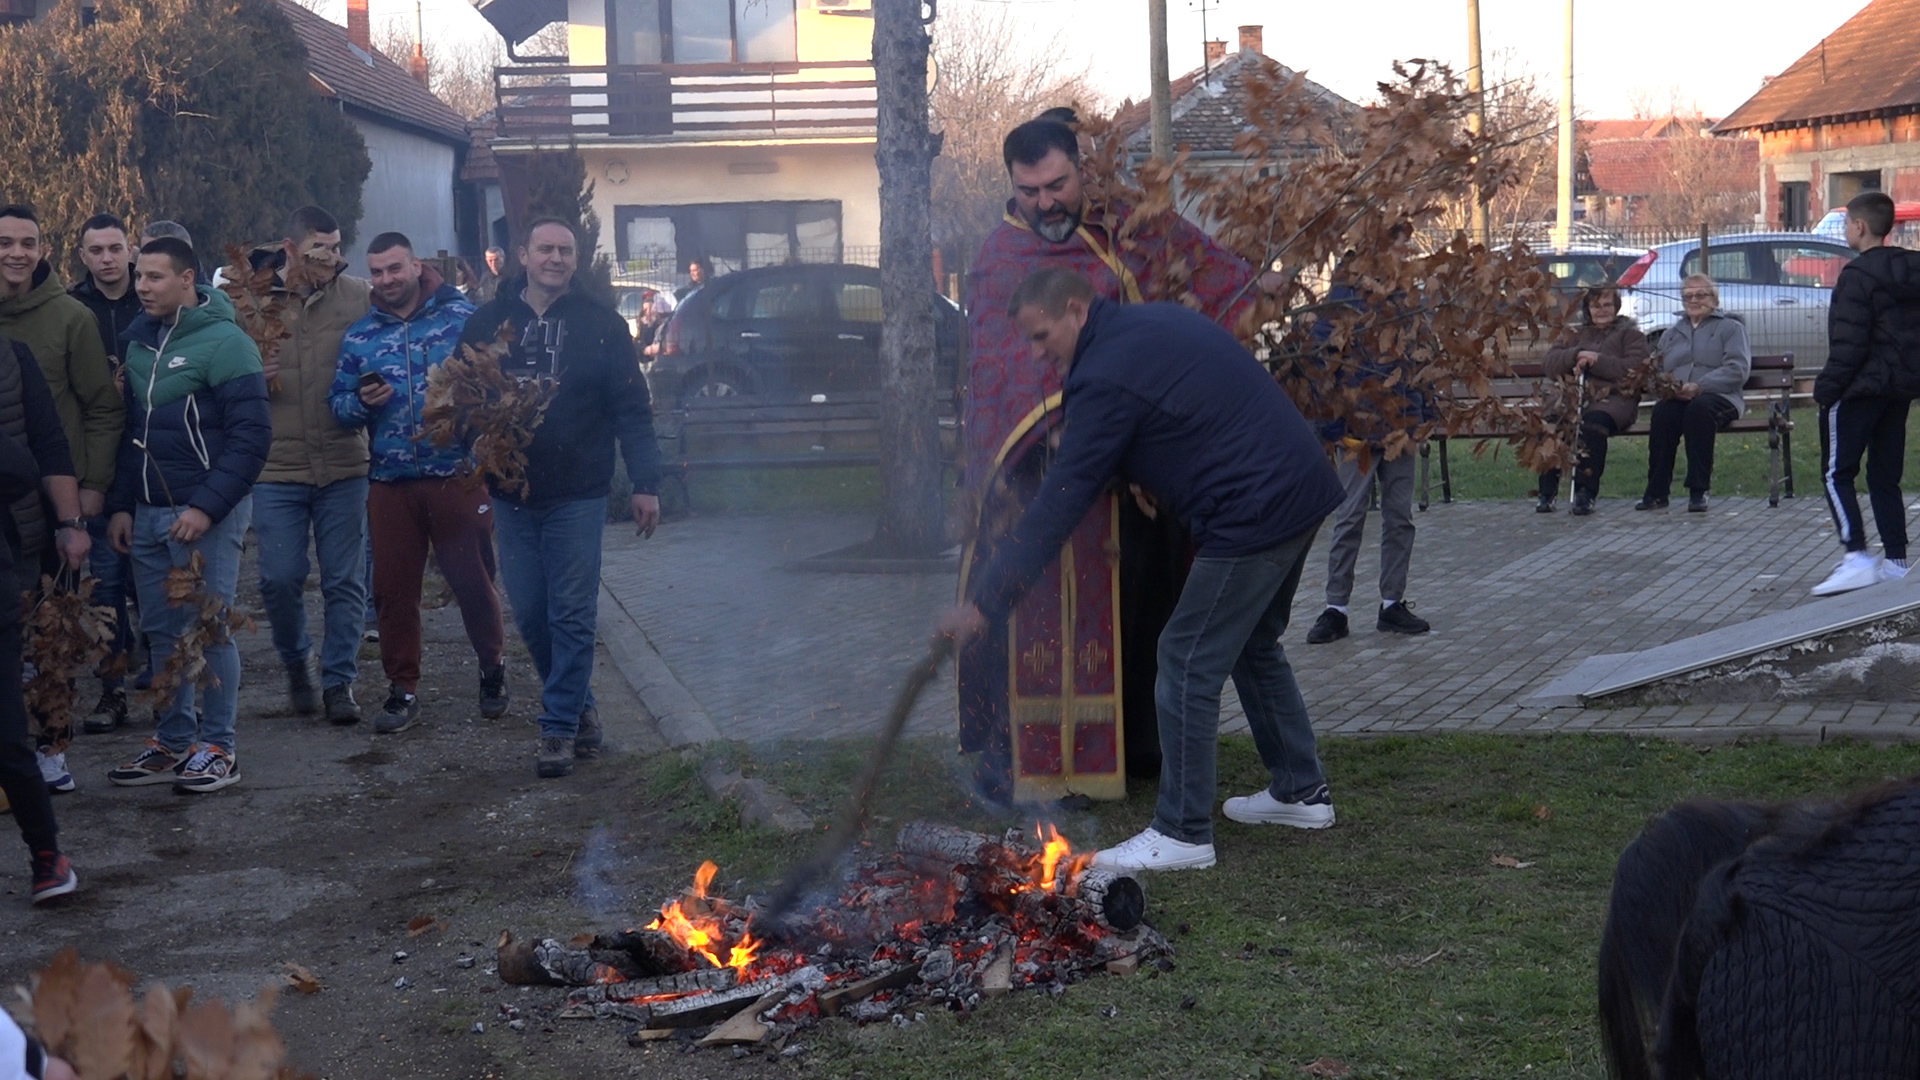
1153 850
1857 571
1891 571
1261 808
53 769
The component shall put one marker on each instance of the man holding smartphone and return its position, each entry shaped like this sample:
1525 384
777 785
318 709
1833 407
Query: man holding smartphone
421 496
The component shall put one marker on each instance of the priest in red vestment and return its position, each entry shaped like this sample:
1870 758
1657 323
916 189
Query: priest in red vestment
1057 700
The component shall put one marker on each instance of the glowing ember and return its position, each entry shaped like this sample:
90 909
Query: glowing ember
690 922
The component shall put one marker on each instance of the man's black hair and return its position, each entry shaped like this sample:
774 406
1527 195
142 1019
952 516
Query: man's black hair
526 238
387 241
176 250
1875 208
21 211
308 220
1049 289
1035 139
1060 114
103 221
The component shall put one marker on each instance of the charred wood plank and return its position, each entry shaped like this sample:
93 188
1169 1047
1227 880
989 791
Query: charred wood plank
687 982
699 1010
655 952
832 1001
942 845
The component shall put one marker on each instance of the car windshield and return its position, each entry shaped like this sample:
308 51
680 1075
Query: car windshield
1581 271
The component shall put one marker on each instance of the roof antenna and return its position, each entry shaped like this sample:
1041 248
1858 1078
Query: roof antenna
1206 61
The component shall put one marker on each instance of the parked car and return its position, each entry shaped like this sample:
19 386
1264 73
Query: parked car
1906 225
1779 283
787 333
1582 266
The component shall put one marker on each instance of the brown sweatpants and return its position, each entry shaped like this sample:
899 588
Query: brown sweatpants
455 516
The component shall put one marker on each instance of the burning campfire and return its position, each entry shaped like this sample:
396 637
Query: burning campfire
950 919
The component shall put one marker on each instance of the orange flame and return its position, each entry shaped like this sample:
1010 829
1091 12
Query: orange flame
1054 868
700 933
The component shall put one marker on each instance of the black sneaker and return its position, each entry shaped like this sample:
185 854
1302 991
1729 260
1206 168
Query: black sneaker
1649 502
1582 504
154 764
493 692
554 758
1544 506
302 694
1330 626
588 740
108 713
209 769
53 876
1398 618
398 714
1697 503
340 706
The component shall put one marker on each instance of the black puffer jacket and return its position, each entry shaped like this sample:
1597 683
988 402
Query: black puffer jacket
1873 327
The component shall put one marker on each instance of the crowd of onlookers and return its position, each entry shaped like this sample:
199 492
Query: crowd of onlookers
143 431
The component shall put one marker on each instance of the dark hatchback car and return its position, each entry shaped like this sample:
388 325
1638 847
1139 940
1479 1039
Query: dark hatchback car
787 333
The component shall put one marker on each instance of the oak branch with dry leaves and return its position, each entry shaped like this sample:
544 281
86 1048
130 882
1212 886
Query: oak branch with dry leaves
65 636
87 1014
261 297
214 621
471 401
1331 197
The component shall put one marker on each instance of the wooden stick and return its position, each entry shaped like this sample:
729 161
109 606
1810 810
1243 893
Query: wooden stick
854 816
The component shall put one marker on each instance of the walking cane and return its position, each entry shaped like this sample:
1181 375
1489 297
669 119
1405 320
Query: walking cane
1579 417
854 814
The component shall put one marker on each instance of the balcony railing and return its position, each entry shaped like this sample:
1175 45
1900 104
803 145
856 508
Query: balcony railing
686 100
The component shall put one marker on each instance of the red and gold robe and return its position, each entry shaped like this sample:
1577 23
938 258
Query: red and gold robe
1059 699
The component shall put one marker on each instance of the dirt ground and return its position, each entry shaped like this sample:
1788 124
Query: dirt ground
336 839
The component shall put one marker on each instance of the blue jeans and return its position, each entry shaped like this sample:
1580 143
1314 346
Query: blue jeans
336 517
1228 624
550 560
112 579
154 553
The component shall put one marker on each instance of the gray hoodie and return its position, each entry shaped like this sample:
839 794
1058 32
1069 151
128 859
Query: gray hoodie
1714 355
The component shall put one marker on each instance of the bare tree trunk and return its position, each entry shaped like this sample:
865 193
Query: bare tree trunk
911 518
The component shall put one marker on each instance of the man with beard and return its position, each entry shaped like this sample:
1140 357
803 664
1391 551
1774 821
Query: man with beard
1072 668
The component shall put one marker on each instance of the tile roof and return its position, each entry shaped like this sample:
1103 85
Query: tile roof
370 82
1210 113
1632 167
1659 127
1871 63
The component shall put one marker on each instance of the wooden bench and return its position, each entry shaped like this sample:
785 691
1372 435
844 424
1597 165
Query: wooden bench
1771 391
732 433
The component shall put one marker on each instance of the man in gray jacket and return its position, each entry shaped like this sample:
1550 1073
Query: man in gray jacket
1707 352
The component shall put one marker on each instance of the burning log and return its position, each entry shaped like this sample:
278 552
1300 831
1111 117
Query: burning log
655 952
1115 901
550 963
838 998
706 980
944 846
702 1009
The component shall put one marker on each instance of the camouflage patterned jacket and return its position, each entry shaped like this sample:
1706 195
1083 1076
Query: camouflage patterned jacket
402 351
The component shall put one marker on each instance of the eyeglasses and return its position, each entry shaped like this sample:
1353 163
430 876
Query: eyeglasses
1696 296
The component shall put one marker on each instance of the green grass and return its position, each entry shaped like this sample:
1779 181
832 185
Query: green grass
1392 942
1739 467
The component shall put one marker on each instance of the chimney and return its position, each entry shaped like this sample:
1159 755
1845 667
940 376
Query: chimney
360 25
1216 52
417 64
1250 38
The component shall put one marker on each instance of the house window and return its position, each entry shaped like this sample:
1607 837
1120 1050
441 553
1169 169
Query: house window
16 11
1795 205
1842 187
699 31
662 240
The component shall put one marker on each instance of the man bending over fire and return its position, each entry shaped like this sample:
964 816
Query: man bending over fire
1164 398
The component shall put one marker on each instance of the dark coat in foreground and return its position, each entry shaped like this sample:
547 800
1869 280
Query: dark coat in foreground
1780 942
1873 329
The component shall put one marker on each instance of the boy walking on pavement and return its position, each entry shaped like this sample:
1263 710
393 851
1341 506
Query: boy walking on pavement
314 486
197 435
1871 377
550 535
421 495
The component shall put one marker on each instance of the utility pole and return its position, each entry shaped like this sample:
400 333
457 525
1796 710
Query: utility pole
912 521
1563 218
1477 119
1160 81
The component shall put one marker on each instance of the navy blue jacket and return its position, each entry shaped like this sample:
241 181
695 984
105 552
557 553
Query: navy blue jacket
1162 397
1407 408
602 396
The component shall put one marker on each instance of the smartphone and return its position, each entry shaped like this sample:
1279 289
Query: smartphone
371 380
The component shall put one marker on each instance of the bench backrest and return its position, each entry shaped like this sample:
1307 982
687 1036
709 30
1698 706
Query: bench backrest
1770 372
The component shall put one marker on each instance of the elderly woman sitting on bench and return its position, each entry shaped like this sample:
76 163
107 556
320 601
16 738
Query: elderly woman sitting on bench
1707 351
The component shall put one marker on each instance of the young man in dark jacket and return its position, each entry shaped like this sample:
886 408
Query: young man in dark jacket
1871 377
34 461
550 535
1165 399
108 292
198 430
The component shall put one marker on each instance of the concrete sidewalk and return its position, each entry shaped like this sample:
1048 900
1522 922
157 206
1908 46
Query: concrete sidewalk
1515 598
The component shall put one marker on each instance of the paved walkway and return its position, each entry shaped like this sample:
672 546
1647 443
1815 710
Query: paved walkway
1515 599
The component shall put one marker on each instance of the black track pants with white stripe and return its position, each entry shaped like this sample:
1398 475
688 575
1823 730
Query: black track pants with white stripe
1876 427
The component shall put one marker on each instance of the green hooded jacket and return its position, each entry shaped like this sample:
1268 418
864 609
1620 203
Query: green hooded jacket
65 339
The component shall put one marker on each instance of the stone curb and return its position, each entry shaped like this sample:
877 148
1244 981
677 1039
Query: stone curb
760 805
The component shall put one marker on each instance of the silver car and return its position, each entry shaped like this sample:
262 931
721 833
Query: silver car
1778 282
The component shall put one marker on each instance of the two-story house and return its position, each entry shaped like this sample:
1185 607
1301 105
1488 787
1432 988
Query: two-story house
739 131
